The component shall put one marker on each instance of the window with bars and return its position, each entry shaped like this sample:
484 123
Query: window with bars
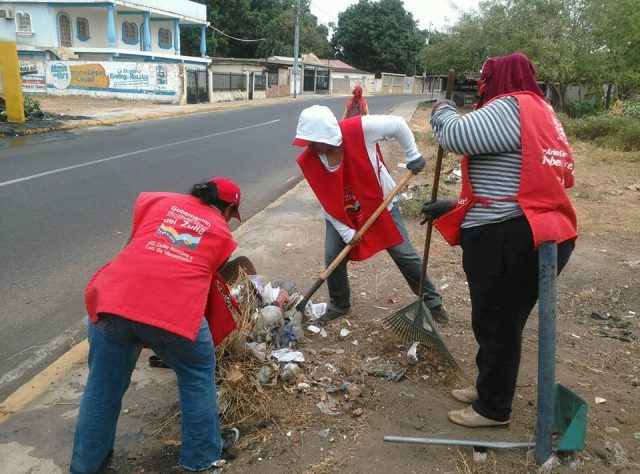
64 30
23 22
82 27
130 32
165 40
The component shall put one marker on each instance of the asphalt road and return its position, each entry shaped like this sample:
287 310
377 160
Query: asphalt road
66 198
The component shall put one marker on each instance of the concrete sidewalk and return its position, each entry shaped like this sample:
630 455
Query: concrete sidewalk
143 111
37 421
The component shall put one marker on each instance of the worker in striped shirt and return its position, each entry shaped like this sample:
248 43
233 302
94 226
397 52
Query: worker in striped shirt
516 167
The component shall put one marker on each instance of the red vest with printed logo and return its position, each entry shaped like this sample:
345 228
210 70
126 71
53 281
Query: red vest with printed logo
352 193
547 169
166 275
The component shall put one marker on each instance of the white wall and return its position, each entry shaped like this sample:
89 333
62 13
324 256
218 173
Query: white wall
97 17
44 31
127 80
184 8
45 28
228 96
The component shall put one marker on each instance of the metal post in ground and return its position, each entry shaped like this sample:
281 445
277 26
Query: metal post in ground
296 50
547 305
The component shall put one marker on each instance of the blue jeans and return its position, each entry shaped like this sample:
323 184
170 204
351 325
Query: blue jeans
403 254
115 344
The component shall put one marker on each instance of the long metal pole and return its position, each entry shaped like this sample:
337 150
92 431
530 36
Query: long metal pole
547 305
296 50
458 442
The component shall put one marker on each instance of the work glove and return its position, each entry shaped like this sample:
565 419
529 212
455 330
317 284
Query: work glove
434 209
415 166
442 103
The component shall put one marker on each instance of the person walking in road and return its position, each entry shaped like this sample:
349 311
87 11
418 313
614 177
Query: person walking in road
516 167
344 167
163 291
356 105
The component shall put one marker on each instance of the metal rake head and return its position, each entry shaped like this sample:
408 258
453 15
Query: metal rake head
413 323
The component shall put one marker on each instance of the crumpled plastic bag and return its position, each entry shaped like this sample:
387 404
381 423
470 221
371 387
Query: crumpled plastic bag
270 325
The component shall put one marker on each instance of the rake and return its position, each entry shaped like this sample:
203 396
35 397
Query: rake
414 322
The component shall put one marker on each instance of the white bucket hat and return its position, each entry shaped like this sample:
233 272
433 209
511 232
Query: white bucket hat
317 124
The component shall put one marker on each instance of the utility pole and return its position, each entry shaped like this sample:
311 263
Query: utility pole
296 48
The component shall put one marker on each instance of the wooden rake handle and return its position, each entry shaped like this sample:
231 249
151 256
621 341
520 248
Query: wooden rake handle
434 193
345 251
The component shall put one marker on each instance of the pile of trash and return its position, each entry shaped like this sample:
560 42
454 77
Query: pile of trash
268 350
264 351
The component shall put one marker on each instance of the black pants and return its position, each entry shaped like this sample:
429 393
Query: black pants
501 265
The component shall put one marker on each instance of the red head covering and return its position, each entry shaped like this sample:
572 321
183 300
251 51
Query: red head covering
357 93
504 74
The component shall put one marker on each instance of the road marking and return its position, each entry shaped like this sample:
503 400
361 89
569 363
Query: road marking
43 353
125 155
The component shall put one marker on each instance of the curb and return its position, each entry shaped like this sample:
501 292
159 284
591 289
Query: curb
43 380
147 116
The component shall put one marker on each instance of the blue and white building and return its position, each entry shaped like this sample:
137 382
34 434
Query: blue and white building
94 46
140 30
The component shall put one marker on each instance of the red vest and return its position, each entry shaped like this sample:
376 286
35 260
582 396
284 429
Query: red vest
166 275
361 192
547 169
355 109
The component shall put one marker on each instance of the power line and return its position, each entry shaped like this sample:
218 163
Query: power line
237 39
332 17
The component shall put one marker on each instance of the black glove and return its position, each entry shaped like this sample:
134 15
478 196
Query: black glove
442 103
434 209
415 166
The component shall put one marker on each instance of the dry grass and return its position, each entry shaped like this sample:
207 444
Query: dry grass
241 396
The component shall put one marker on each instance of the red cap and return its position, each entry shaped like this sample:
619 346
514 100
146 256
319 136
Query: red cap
228 191
300 142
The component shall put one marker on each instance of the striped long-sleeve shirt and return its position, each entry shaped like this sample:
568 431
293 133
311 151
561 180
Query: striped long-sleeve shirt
491 138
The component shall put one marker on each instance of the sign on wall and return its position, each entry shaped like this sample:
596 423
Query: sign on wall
126 79
32 76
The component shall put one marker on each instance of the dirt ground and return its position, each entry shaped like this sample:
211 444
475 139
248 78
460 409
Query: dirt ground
82 106
597 352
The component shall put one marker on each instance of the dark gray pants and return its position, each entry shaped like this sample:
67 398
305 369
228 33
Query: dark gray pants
404 255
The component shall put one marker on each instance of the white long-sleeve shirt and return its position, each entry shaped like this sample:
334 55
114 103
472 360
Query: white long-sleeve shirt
376 128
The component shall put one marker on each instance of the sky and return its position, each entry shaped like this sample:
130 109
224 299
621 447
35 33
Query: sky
435 13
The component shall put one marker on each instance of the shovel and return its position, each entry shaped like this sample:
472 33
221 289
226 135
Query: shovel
345 251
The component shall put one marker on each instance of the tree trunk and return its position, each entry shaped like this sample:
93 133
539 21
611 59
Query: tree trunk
607 99
557 95
563 95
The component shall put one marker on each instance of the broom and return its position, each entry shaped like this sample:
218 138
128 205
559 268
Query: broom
409 322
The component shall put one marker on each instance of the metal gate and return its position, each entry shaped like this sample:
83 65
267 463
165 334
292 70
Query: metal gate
309 80
197 86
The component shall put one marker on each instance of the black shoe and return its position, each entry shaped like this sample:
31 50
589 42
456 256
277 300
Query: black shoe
439 314
155 361
229 438
330 315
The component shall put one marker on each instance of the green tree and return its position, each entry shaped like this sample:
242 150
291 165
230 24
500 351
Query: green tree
591 42
279 35
548 31
378 36
615 50
270 20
